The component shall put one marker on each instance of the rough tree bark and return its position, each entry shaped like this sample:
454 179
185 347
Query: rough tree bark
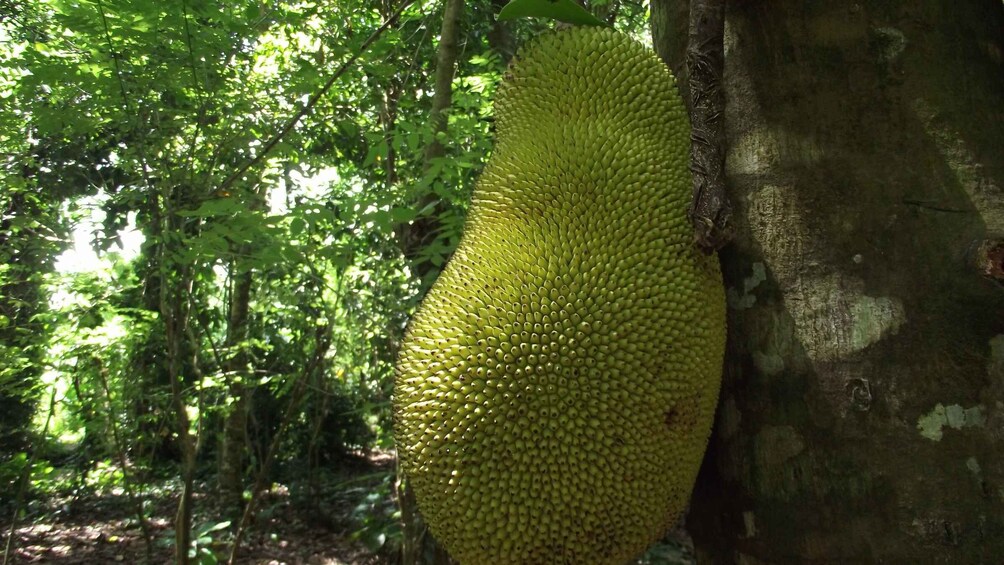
690 42
862 411
709 207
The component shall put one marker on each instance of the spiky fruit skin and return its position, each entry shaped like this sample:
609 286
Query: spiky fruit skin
556 388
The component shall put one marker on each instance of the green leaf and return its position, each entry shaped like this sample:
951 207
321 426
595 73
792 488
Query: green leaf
214 207
567 11
381 219
402 215
209 527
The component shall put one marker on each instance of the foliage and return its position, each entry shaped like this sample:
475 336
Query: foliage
378 518
561 10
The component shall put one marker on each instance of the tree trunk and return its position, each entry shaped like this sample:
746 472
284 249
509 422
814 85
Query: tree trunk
232 454
710 208
388 121
174 313
670 22
446 63
862 412
501 39
422 230
174 284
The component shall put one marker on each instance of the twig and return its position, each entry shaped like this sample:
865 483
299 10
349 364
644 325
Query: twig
25 479
314 99
127 477
141 146
200 117
115 57
320 349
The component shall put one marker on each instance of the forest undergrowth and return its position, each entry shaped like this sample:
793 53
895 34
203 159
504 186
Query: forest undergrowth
345 518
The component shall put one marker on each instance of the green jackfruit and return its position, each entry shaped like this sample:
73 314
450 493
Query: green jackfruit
556 388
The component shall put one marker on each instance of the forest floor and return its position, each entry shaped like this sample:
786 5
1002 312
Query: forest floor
102 528
349 507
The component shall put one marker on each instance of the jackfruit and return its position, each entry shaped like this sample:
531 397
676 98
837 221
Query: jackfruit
555 389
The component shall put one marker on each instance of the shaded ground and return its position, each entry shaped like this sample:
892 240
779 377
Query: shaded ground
318 530
342 520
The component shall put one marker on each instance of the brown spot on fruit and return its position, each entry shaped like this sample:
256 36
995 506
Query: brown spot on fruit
682 417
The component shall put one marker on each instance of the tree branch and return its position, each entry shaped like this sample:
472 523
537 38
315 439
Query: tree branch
321 345
314 99
200 117
710 209
420 232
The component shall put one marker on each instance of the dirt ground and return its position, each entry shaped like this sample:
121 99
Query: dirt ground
324 529
103 529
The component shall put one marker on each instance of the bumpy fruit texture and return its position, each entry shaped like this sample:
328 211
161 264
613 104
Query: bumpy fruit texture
556 388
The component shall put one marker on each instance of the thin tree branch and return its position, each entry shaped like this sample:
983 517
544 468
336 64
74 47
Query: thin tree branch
322 343
200 116
710 209
141 146
26 478
120 453
115 57
314 99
